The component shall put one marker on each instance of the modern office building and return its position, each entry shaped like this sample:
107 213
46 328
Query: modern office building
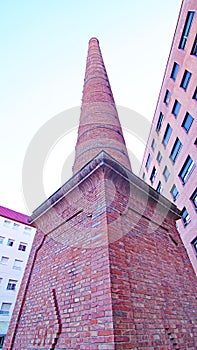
170 157
16 237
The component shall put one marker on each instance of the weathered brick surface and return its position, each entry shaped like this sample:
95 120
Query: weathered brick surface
108 271
99 127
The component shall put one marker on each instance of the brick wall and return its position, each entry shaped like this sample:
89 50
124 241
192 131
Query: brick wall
107 269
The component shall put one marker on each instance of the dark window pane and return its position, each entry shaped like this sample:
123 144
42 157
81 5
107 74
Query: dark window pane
186 79
174 192
160 122
186 29
194 198
176 108
185 217
187 122
167 134
175 70
167 97
194 48
175 149
159 187
149 159
195 94
186 169
194 243
153 175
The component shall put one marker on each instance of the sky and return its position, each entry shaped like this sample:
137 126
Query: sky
43 46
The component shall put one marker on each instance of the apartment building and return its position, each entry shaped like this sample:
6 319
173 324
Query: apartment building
170 158
16 237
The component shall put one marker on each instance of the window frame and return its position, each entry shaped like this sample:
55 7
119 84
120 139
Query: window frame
194 244
6 261
167 135
19 267
159 157
188 119
159 122
12 285
166 173
10 240
186 29
153 174
167 97
185 217
5 312
193 199
175 70
176 108
153 144
185 80
186 170
159 188
174 192
176 148
22 244
148 162
194 47
194 97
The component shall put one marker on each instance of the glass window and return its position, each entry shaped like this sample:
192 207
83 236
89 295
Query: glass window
10 242
16 226
153 144
185 80
12 285
159 187
194 244
176 108
167 134
160 122
174 192
1 239
159 157
4 260
22 246
175 70
186 169
166 173
27 230
187 122
175 150
153 175
5 307
185 217
195 94
17 264
186 29
167 97
149 159
6 223
194 48
194 198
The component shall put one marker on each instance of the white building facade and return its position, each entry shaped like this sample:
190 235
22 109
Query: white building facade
16 238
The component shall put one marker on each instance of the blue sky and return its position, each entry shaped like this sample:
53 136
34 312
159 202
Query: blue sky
42 64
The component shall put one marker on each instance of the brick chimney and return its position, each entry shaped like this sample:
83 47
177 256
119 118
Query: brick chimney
107 270
99 126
